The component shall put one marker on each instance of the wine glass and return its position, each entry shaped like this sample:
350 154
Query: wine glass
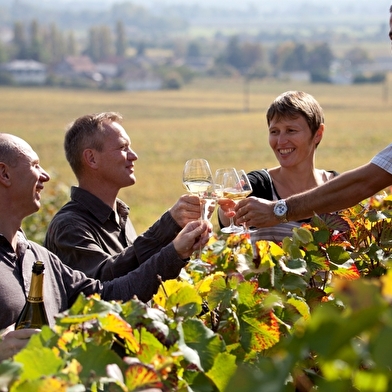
246 190
197 176
197 179
229 181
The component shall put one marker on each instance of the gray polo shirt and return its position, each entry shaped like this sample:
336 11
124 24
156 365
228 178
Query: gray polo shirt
62 285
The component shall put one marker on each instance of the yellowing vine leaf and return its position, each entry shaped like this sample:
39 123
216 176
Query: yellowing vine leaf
166 289
350 273
264 248
260 333
139 376
114 323
204 286
386 281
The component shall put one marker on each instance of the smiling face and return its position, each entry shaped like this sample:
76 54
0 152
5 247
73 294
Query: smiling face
26 178
115 163
292 141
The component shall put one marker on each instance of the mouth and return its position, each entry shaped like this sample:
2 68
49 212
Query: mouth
285 151
38 189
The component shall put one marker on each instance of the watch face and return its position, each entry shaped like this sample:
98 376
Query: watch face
280 208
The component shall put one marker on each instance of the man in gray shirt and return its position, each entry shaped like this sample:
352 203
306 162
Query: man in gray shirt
21 182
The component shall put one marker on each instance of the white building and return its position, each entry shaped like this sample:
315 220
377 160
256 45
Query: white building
26 71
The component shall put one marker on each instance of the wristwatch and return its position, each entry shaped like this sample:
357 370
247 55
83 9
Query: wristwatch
280 210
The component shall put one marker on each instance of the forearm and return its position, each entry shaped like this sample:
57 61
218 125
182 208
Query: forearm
161 233
144 282
342 192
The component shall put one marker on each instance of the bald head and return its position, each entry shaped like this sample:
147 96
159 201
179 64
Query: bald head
11 147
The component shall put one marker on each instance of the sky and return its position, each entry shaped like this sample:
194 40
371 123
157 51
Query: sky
239 4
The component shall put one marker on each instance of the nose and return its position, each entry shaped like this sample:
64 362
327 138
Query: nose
44 177
132 156
282 138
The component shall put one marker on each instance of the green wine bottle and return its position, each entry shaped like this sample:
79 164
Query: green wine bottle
33 314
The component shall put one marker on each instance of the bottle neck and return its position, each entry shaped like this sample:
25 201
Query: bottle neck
36 288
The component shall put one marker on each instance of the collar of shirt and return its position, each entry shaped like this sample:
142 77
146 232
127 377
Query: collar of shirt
96 206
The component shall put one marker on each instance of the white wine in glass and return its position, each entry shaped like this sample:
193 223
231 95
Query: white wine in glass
197 176
209 198
197 179
246 190
229 181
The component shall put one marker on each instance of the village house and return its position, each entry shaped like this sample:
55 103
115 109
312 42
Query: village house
77 67
26 72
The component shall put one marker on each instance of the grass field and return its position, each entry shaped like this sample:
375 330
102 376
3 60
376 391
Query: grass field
205 119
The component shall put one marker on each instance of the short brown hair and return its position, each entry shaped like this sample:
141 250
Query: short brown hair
293 104
86 132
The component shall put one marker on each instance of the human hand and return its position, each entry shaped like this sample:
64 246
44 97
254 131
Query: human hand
12 341
227 206
193 236
186 209
226 210
256 212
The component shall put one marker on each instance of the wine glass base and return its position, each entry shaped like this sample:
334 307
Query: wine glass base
232 229
199 262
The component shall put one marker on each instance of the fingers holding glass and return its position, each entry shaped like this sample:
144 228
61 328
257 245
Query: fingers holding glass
197 179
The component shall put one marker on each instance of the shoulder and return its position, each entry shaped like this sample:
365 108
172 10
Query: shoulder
259 176
261 184
69 215
331 174
41 253
384 159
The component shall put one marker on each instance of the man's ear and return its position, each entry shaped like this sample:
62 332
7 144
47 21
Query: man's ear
5 177
89 158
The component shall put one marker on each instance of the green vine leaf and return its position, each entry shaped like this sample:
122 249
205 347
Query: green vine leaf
223 369
199 344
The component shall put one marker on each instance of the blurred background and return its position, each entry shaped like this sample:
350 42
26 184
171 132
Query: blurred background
193 79
151 44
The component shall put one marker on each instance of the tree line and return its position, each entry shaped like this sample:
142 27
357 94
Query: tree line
231 54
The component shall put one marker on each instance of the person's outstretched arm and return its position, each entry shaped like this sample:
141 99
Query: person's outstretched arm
343 191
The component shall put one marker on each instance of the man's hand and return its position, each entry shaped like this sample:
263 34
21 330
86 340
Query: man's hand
12 341
256 212
193 236
187 209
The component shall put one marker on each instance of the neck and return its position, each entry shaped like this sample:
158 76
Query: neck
289 181
9 230
106 195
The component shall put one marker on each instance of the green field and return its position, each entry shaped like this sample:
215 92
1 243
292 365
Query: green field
205 119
